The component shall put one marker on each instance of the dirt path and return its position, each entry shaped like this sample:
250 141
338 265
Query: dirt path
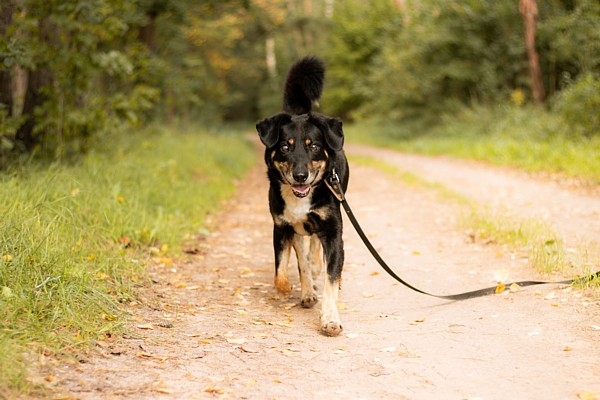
214 326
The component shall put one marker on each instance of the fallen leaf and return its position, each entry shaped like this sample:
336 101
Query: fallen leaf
213 390
145 326
567 348
166 261
588 395
236 341
163 391
515 287
248 348
550 296
500 288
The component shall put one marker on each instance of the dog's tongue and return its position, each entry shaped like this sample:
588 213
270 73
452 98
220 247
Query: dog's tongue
301 189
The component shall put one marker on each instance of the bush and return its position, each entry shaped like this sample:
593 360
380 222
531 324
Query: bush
579 105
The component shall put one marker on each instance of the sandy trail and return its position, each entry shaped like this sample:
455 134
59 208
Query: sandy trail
213 326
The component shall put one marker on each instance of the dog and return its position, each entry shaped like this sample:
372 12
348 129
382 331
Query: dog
303 148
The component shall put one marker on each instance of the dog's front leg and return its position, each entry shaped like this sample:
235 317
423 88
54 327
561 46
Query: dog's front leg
282 245
333 248
308 297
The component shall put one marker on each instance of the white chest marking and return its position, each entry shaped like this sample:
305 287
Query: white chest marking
296 209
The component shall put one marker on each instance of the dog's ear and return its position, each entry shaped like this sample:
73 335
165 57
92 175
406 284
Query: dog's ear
332 130
268 128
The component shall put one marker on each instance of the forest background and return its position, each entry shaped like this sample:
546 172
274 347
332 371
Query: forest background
74 71
121 125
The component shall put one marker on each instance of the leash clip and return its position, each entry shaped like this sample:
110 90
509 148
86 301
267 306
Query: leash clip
333 183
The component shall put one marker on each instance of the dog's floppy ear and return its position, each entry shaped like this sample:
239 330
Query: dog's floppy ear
268 128
332 130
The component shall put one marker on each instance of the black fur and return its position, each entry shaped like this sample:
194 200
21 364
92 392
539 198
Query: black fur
302 148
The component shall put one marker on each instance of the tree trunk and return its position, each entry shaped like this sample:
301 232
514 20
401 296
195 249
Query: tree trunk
37 80
271 59
147 33
6 95
529 11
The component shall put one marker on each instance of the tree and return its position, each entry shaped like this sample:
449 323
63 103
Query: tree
529 11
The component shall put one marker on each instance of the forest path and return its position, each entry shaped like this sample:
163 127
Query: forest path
213 326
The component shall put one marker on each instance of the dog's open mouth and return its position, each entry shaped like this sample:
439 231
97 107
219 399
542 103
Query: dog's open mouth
300 190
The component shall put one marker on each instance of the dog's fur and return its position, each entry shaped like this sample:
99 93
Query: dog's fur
302 149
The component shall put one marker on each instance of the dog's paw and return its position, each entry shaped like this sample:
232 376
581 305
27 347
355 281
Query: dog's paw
331 328
309 301
283 285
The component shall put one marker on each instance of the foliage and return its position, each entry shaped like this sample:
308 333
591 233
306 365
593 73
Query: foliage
579 105
100 64
359 30
76 238
526 137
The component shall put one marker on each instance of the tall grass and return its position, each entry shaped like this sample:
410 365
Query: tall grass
74 239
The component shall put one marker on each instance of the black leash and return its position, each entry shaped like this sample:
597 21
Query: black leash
334 185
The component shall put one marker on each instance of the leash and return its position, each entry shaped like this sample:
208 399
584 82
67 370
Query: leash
333 183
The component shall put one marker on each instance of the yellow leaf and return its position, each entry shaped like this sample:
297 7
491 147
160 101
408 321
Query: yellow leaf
145 326
515 287
180 285
500 288
588 395
101 276
108 317
167 261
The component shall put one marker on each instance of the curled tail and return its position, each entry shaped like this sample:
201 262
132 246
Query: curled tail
303 85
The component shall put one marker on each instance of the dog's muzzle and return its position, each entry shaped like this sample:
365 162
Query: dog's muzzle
301 190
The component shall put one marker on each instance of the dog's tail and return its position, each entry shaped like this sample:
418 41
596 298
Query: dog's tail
303 85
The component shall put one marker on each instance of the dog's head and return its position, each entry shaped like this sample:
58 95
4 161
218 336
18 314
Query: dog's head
300 147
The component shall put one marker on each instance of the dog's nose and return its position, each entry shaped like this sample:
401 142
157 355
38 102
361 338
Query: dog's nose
300 177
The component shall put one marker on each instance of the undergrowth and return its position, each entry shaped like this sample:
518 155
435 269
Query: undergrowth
529 138
75 238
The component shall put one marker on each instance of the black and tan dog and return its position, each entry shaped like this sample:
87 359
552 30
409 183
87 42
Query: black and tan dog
303 148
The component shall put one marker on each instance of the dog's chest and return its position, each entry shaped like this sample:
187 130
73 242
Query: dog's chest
296 209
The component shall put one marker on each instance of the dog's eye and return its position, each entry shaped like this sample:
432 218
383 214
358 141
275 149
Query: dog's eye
284 148
313 147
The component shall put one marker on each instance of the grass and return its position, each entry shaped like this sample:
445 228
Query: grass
75 238
528 138
542 245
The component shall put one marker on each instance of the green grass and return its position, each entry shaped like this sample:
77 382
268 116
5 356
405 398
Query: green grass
75 238
528 138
